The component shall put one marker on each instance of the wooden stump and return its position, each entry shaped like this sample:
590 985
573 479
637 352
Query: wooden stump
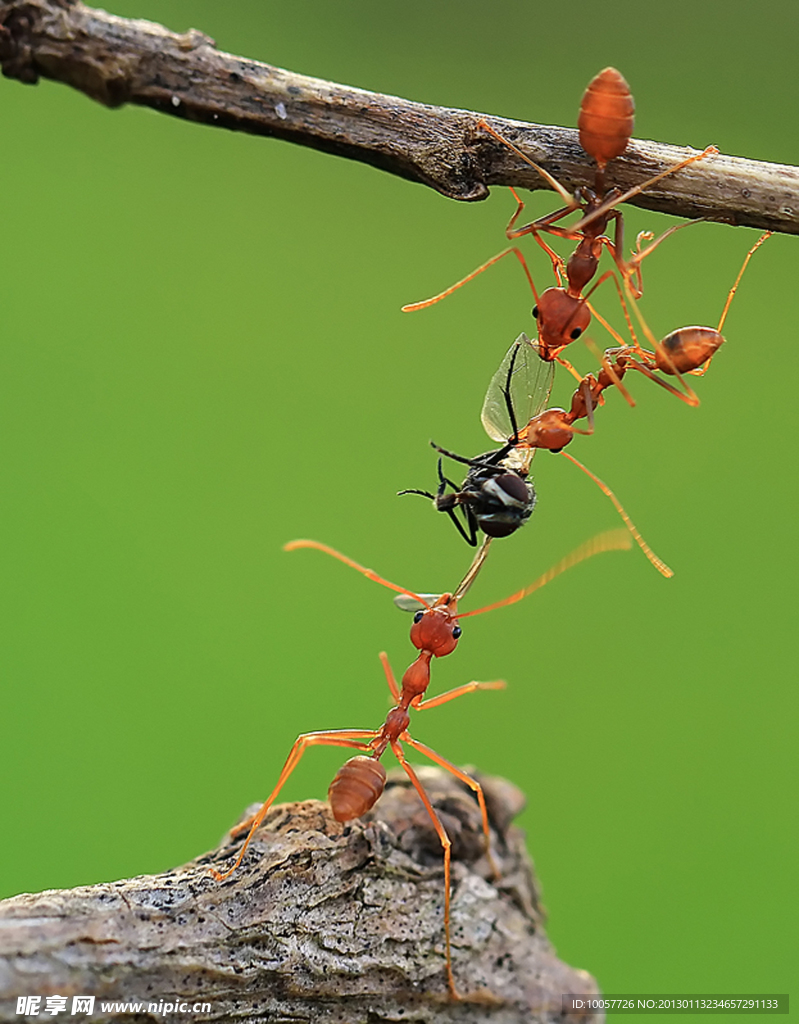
323 922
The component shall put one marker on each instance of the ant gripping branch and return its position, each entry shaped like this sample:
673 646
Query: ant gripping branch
434 633
563 313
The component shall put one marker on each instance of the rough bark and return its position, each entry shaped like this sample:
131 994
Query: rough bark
117 60
322 922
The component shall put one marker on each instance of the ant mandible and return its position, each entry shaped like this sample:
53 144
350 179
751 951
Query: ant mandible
563 313
435 633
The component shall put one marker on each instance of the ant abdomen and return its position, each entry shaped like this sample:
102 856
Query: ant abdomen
356 788
606 116
687 349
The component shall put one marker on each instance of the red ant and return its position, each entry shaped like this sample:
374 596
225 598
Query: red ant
563 313
435 633
688 350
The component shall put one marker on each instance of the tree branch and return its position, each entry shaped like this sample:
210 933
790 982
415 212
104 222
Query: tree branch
322 922
117 60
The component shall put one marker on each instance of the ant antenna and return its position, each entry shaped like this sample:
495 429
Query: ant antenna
658 563
370 574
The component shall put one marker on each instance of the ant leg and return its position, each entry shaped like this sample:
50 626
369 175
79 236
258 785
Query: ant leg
633 266
624 307
734 289
640 238
606 365
610 540
691 398
414 306
568 366
446 844
392 682
600 210
589 406
473 784
442 698
548 178
688 395
658 563
471 573
700 371
542 224
331 738
558 265
614 333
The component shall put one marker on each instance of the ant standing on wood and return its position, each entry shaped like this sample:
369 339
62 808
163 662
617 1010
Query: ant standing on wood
435 633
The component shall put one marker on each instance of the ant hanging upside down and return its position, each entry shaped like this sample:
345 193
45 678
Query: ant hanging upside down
562 312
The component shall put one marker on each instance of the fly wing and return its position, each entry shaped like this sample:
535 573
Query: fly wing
526 379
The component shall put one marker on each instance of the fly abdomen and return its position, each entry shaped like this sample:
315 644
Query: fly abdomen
357 786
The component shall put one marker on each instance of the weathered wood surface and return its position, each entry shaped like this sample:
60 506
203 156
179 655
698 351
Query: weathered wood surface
117 60
323 922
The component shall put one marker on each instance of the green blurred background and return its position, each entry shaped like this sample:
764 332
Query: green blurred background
204 357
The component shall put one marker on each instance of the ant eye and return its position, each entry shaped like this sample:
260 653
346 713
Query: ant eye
535 312
576 333
456 632
418 617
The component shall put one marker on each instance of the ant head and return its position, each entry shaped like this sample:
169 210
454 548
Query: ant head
550 429
560 317
436 629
